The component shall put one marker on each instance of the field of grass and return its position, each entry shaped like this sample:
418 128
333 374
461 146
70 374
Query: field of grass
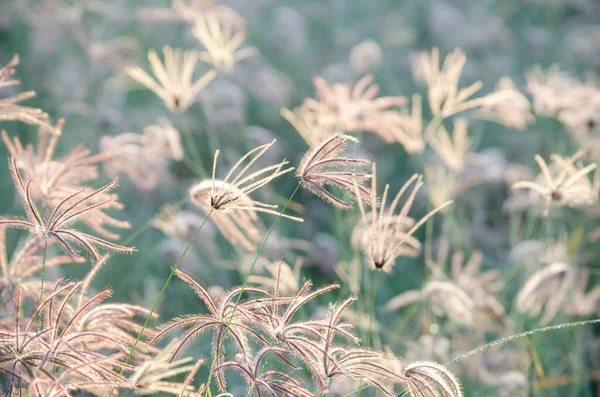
496 104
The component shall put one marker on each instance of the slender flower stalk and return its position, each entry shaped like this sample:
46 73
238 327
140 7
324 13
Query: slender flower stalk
42 283
522 335
212 368
162 291
371 319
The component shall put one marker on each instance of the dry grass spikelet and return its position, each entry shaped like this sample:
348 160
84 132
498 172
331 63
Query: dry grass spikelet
223 320
21 269
441 183
547 289
445 98
173 82
386 239
235 213
306 122
407 127
221 41
507 106
346 108
9 108
327 164
151 376
563 182
430 379
449 299
548 88
263 383
163 140
452 150
54 179
59 357
56 225
282 278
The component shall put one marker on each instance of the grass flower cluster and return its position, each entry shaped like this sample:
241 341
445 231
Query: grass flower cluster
271 264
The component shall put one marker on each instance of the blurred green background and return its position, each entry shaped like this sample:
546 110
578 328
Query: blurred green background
67 58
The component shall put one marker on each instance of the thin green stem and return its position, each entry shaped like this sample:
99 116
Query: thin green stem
361 388
196 158
243 288
142 229
507 339
523 334
371 317
42 287
164 288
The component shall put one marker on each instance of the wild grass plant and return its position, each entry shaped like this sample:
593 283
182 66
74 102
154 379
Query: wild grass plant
275 198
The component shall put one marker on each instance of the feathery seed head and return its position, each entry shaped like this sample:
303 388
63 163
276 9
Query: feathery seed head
430 379
563 182
507 106
65 213
235 213
9 110
327 164
173 82
308 125
342 107
386 239
445 98
221 41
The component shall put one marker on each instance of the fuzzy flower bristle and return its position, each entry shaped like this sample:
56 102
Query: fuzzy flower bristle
9 108
390 236
345 108
221 41
173 82
430 379
327 164
445 97
564 181
68 211
234 212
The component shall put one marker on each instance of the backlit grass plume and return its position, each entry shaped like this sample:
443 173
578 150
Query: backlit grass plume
327 165
430 379
445 96
10 110
221 41
223 320
56 226
562 183
173 78
235 213
265 382
388 236
56 178
348 108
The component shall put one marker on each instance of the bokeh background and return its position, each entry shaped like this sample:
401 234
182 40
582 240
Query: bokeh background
73 54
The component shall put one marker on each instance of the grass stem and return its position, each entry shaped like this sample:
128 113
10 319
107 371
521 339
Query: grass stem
164 288
210 375
42 286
